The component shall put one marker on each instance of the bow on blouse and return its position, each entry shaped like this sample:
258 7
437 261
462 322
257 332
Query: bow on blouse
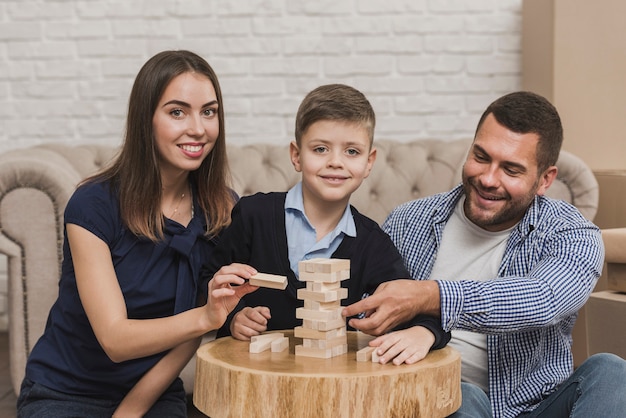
183 241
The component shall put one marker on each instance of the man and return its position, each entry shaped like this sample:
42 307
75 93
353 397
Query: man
509 268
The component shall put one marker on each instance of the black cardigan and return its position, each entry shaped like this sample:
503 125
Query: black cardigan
257 237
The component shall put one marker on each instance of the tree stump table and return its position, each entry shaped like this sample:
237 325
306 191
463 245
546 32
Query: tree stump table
231 382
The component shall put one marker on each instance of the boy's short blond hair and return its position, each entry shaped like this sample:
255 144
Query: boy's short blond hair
337 102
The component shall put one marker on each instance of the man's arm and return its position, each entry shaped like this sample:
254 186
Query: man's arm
393 303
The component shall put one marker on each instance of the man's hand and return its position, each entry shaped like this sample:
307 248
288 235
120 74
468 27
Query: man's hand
394 303
249 322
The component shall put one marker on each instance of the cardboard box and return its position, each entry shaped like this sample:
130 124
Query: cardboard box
606 324
580 349
612 201
611 214
616 276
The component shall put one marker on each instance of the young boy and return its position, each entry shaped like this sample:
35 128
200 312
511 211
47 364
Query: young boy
273 232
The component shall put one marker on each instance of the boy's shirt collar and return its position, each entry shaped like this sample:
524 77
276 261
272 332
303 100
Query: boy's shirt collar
295 201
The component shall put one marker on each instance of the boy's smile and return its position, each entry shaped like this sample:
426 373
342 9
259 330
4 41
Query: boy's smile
334 157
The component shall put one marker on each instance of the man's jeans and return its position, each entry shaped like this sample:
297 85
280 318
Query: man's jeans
596 389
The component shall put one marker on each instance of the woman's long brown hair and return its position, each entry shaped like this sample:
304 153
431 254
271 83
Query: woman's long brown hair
135 173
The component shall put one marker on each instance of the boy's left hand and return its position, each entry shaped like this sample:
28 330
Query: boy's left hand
250 322
406 346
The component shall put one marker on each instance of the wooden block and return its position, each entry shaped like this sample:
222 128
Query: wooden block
263 342
323 296
273 281
363 340
324 325
324 265
339 350
332 277
318 306
306 266
375 357
280 344
309 324
268 336
313 352
322 287
302 332
334 324
260 346
324 344
365 354
321 315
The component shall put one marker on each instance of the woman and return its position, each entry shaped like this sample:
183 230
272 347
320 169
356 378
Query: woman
130 313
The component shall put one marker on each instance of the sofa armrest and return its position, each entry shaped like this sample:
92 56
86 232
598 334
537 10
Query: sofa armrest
35 185
576 184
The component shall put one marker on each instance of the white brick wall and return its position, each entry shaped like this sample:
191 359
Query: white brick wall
429 67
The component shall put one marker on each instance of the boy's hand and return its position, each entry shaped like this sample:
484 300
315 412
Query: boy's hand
249 322
407 346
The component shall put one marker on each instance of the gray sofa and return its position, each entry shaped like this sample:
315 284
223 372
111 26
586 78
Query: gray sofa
36 183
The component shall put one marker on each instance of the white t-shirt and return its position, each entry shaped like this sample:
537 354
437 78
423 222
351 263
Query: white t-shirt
468 252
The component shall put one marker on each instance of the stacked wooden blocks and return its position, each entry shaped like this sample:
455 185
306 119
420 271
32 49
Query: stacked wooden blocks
323 329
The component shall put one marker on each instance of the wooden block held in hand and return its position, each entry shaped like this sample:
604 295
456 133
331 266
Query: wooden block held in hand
272 281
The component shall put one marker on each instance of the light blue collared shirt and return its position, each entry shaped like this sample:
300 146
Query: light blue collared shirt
301 236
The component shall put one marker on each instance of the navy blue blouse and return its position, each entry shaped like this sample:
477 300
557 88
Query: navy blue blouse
157 280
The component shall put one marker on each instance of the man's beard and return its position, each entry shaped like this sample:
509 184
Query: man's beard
511 212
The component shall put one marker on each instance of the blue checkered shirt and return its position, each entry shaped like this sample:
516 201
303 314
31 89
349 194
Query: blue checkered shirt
552 261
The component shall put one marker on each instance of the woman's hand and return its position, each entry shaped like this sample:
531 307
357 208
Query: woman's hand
226 289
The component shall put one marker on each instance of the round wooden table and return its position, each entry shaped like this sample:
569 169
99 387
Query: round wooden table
231 382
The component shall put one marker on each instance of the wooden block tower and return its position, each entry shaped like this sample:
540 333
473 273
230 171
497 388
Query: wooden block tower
323 328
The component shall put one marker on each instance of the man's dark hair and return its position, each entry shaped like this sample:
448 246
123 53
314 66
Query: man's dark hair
525 112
